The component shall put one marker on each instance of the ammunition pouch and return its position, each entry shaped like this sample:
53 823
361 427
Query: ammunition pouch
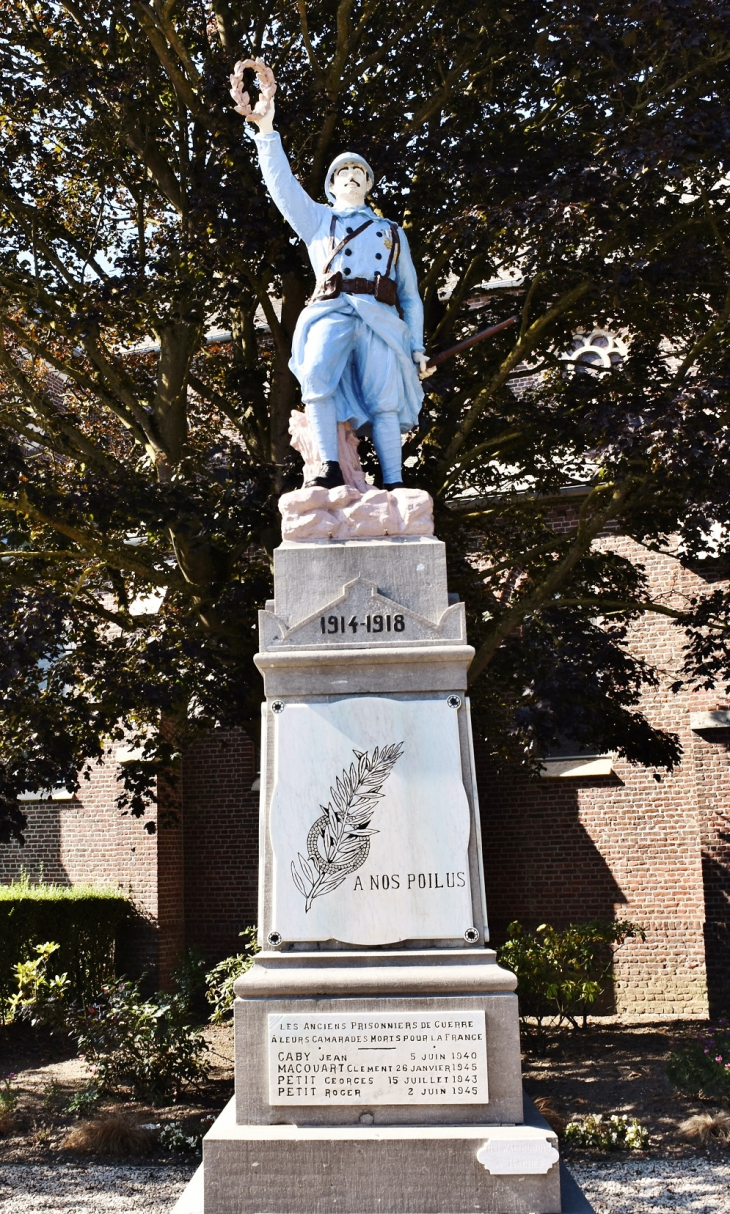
385 290
329 287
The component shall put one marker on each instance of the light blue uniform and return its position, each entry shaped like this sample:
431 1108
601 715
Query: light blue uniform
352 355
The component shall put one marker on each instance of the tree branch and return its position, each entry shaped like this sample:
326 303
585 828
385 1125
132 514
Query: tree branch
178 343
90 544
621 605
585 534
522 347
495 445
313 61
74 374
158 168
438 99
457 296
162 14
182 87
77 442
716 327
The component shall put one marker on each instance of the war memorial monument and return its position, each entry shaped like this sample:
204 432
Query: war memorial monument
376 1037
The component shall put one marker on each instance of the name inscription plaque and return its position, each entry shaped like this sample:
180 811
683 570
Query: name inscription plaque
369 1058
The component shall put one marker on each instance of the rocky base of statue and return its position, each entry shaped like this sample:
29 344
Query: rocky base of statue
355 510
347 514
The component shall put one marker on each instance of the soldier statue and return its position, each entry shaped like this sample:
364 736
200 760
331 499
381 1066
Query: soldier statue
357 349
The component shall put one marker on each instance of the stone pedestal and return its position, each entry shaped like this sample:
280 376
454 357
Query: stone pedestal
377 1039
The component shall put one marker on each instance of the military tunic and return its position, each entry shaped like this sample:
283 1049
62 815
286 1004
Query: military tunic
354 350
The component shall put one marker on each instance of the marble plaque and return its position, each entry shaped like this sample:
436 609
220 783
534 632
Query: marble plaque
370 821
517 1151
371 1058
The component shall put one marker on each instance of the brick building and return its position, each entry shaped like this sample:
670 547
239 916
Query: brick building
593 837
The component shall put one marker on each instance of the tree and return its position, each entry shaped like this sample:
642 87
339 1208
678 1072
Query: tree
580 147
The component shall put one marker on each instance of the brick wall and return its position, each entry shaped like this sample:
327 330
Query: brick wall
87 839
653 851
711 759
170 822
574 850
190 866
221 842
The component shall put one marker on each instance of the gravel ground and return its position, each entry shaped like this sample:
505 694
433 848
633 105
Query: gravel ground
655 1186
96 1189
699 1186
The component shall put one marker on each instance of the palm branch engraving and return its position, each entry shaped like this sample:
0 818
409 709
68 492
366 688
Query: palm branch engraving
338 842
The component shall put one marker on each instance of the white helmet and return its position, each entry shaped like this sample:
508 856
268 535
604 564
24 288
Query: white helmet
341 160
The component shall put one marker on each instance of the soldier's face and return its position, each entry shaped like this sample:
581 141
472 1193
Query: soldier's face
350 185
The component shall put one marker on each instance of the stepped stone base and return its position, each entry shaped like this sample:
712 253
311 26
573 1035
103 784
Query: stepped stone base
390 982
288 1169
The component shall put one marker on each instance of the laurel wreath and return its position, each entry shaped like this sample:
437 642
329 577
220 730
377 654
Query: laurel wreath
338 842
264 79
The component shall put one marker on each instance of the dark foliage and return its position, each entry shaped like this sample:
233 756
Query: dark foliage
147 1046
566 161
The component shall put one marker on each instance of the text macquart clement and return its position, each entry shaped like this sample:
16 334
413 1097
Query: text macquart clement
370 1058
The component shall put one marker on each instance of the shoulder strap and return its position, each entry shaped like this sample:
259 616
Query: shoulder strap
345 240
394 248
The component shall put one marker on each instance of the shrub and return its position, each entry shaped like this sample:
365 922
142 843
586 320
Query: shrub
174 1138
83 921
560 973
190 981
708 1128
40 999
555 1120
9 1096
701 1068
220 980
145 1045
84 1102
607 1133
52 1095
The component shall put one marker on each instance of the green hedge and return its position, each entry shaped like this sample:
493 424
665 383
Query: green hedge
82 919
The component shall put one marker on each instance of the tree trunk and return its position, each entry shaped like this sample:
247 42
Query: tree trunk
284 387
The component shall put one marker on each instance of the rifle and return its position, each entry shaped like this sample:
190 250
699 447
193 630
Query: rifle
437 359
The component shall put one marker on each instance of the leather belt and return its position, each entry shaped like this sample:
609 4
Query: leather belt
383 289
358 286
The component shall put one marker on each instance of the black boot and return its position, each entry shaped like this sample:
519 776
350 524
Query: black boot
394 485
329 478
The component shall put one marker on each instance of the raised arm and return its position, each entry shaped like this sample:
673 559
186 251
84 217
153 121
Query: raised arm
300 211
